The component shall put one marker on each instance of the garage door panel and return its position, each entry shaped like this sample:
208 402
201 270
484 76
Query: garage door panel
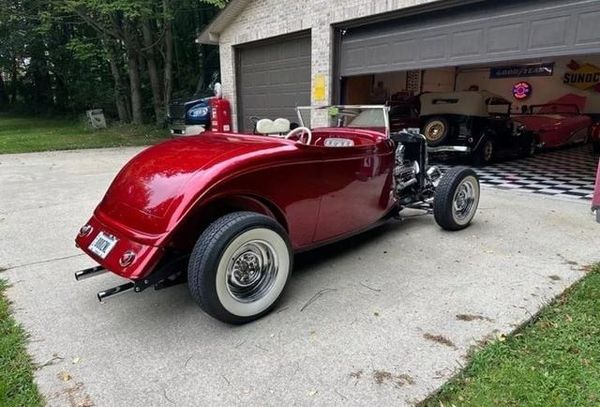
505 38
490 32
467 43
433 48
548 33
273 79
587 28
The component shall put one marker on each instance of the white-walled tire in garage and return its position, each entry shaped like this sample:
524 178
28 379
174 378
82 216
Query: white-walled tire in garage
436 130
240 266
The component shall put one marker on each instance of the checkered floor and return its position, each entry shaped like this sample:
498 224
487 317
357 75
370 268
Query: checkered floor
565 173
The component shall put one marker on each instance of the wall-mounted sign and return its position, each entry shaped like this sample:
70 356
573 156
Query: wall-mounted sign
585 76
521 71
521 90
319 88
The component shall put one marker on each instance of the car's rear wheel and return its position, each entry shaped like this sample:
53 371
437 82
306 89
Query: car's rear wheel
436 130
484 154
240 266
456 198
529 148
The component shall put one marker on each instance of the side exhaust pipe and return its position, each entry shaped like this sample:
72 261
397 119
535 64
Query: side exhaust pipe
91 272
115 290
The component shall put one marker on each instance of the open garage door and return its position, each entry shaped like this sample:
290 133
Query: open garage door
490 32
273 78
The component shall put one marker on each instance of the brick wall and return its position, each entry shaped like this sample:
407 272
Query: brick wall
262 19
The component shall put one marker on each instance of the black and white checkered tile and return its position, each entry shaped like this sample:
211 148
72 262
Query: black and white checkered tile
566 173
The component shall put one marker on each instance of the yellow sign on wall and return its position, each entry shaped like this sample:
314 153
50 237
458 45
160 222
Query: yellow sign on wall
584 77
319 90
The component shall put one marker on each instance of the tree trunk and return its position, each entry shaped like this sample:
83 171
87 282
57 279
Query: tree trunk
152 71
3 93
14 78
120 98
201 79
168 72
133 70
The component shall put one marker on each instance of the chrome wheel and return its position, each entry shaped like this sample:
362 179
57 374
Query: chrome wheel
434 131
251 271
465 200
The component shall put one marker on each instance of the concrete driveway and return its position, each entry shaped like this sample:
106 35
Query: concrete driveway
382 319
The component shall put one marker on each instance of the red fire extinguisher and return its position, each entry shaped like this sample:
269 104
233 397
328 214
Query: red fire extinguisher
220 116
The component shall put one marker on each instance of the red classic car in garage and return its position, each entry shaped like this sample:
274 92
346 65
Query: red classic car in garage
227 211
557 124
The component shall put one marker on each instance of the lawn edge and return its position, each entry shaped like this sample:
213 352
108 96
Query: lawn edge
23 341
490 339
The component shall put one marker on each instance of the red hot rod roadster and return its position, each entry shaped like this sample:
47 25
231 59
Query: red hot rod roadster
226 212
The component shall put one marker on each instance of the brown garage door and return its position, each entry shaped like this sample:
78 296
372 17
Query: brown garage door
272 79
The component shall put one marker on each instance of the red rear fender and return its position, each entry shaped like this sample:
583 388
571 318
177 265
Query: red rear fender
186 233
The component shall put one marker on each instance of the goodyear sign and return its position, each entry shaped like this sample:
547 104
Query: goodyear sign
585 76
521 71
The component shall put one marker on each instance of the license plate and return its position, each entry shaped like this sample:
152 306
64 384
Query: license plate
103 244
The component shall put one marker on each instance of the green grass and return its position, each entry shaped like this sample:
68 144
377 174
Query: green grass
17 388
21 134
554 361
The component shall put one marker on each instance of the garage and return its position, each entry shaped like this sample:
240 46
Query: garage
541 58
273 78
522 55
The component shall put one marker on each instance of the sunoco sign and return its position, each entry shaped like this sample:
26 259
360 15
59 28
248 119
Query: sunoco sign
584 77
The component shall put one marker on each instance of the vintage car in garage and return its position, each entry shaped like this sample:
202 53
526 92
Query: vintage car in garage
404 113
476 123
227 211
557 124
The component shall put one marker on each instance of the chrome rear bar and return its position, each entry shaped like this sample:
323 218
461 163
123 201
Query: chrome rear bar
91 272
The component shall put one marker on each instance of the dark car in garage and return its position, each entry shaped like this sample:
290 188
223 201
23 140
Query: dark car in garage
476 123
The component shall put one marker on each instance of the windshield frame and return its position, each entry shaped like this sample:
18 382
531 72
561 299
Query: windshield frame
385 108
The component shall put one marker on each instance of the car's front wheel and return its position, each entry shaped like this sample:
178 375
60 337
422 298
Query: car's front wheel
240 266
456 198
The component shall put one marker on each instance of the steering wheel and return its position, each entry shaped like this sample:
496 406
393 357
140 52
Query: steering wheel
300 132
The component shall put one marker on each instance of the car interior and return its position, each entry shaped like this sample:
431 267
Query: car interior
326 137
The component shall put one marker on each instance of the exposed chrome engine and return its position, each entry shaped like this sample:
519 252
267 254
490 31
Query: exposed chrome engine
405 171
414 180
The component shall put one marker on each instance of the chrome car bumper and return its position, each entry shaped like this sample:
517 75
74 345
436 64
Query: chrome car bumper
446 149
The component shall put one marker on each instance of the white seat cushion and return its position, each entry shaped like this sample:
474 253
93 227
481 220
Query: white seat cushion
265 126
281 125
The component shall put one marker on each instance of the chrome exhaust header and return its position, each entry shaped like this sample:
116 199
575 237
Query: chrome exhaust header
91 272
115 290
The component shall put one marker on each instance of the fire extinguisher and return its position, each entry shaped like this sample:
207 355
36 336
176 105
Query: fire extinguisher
220 116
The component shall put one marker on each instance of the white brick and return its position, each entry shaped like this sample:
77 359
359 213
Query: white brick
262 19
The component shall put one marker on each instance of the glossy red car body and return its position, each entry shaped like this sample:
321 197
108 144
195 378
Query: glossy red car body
166 194
557 124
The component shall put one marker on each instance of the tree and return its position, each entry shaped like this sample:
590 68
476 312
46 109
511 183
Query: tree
60 55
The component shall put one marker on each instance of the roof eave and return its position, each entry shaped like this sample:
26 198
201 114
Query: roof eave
212 32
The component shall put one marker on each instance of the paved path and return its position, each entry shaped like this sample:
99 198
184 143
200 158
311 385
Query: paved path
361 341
